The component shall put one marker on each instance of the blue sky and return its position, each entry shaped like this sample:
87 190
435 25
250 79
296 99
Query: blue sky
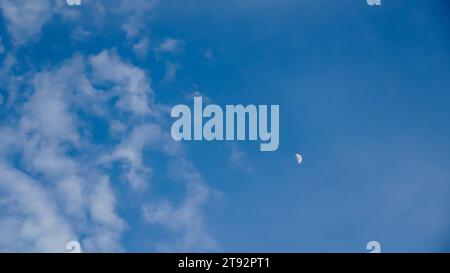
85 146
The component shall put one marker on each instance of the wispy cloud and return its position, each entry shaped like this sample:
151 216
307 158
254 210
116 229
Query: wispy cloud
130 83
25 28
171 45
57 182
186 219
30 219
142 47
47 129
171 71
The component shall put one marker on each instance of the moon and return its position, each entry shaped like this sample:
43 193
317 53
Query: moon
299 158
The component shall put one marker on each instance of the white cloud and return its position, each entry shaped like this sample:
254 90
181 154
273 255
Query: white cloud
171 71
25 18
135 15
45 132
50 137
79 33
73 189
142 47
187 219
102 200
131 151
171 45
31 220
131 83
